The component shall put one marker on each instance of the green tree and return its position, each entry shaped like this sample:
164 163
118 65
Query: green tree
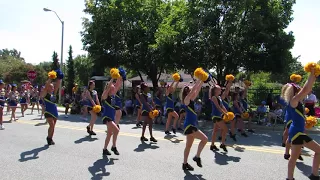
70 71
55 61
83 66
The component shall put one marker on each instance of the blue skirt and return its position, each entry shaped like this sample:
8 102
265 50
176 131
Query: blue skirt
12 103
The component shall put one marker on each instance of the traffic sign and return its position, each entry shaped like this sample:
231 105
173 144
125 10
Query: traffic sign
32 74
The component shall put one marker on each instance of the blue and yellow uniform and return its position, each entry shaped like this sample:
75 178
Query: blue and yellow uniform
50 106
158 103
182 109
13 99
94 95
236 112
2 98
244 104
23 97
226 104
118 102
145 109
137 103
297 128
190 121
216 115
34 97
169 104
109 110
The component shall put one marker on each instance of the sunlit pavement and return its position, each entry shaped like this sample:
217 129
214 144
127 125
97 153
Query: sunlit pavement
24 154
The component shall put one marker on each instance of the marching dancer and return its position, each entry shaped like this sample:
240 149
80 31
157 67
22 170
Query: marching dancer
146 108
49 95
2 101
138 105
170 108
109 112
34 96
293 95
158 105
13 101
218 110
93 100
190 125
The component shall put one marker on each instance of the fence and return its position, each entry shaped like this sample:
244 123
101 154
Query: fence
255 96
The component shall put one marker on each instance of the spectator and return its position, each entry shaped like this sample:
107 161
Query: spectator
261 110
274 114
67 101
270 101
310 102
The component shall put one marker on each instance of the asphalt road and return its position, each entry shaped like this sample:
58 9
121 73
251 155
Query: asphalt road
24 154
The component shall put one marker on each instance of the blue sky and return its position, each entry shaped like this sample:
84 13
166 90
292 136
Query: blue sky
26 27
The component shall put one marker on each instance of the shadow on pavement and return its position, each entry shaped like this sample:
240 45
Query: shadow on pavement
85 139
41 124
143 146
305 169
222 159
173 139
33 154
190 176
98 169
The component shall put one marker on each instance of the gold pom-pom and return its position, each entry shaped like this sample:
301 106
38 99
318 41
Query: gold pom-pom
229 77
197 73
201 74
295 78
229 117
153 114
247 83
176 77
114 72
317 70
52 75
310 65
245 115
306 110
310 122
96 108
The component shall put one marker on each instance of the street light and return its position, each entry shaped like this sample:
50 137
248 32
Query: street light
61 60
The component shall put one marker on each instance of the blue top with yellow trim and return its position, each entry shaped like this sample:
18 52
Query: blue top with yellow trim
118 101
244 104
137 103
235 110
50 105
226 104
108 108
2 97
191 116
23 96
145 106
169 102
287 119
215 111
298 121
157 101
93 94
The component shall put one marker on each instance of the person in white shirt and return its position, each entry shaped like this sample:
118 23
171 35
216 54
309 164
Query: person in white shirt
310 102
274 114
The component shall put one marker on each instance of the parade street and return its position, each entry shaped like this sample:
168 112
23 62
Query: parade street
76 156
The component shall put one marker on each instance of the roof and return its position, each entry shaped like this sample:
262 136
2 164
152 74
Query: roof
164 77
